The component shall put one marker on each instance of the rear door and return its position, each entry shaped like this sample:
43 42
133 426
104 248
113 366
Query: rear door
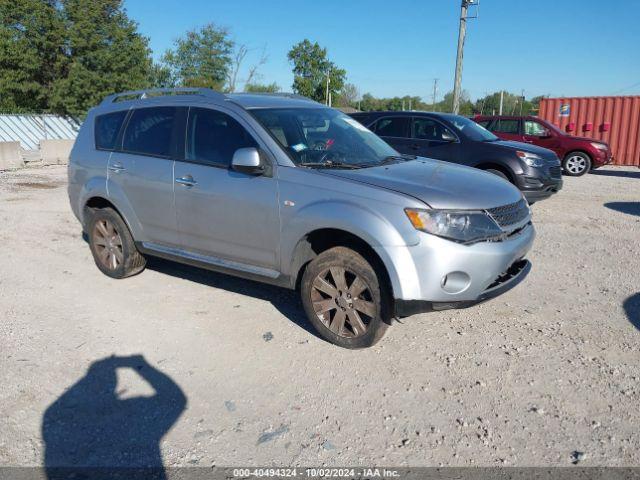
141 172
223 213
427 135
508 129
396 131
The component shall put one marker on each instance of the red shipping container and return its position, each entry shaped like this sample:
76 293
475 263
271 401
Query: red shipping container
615 120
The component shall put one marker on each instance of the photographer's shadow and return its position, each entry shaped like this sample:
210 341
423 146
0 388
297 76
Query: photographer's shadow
93 428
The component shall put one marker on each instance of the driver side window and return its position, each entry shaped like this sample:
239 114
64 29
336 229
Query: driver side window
535 129
213 137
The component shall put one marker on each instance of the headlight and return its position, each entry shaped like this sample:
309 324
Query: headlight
600 146
460 226
530 159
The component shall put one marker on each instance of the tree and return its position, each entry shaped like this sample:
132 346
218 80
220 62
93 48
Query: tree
160 76
31 34
310 70
348 96
446 105
262 88
201 58
512 104
236 66
104 53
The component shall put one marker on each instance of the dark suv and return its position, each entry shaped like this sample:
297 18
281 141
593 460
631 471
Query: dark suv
453 138
579 154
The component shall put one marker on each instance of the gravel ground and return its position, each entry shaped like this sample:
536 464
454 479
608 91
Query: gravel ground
545 375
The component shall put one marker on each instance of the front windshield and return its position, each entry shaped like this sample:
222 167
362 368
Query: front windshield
471 129
324 137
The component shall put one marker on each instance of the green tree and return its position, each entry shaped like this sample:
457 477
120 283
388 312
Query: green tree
466 105
262 87
202 58
160 76
104 54
310 69
31 33
512 104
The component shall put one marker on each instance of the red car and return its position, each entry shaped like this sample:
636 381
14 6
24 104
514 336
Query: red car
578 154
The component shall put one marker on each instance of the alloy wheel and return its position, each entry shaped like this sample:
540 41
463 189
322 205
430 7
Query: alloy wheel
108 244
576 164
342 301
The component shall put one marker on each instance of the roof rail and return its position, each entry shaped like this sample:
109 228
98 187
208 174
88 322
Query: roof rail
277 94
158 92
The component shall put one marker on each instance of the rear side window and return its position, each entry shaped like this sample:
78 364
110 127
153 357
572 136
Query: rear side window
505 125
392 127
213 137
150 131
107 128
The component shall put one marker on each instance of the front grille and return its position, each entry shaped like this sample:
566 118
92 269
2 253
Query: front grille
510 214
555 171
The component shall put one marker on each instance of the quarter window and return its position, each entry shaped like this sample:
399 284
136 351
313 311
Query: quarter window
392 127
213 137
107 129
150 131
504 125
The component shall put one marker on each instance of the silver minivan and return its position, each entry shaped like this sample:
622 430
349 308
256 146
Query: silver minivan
283 190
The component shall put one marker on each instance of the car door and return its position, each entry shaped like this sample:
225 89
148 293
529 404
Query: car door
430 136
222 213
396 132
538 134
507 129
140 173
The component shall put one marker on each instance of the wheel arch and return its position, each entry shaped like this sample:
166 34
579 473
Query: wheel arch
500 167
322 239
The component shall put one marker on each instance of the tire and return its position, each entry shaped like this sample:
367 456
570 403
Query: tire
337 315
498 173
576 164
112 245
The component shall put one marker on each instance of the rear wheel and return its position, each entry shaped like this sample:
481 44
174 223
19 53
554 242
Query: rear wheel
112 245
576 164
344 299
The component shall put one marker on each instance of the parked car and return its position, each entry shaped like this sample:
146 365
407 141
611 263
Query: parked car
579 154
453 138
283 190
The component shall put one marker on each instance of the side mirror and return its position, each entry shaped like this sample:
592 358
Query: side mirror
545 134
247 160
447 136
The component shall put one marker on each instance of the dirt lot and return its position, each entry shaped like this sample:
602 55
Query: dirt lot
547 374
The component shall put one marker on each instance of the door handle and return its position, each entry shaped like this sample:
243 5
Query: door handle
186 181
117 167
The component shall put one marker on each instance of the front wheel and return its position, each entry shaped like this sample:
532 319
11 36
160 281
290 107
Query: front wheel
344 299
576 164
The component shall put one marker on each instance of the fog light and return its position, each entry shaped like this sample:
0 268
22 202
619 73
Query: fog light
455 282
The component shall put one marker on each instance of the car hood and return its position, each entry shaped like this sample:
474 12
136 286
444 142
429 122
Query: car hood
438 184
525 147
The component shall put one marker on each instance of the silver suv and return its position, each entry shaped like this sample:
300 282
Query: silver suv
283 190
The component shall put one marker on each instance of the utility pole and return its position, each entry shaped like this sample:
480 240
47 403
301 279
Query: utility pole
501 101
462 32
521 102
326 97
403 105
435 90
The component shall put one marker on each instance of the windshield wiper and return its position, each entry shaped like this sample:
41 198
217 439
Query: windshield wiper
330 164
395 158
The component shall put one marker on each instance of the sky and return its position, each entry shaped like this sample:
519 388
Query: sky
398 47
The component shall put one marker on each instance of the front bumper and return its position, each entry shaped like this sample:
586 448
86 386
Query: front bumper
601 158
536 189
505 282
438 273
